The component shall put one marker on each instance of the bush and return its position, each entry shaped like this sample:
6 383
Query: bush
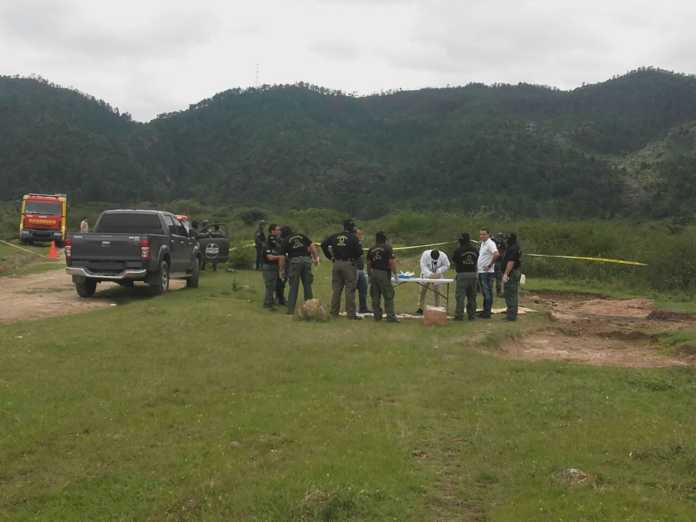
672 264
251 216
242 257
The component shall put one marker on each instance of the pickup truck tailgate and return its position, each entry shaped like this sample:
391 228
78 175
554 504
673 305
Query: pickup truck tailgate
106 247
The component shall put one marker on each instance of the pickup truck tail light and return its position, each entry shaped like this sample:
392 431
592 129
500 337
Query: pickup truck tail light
68 248
145 249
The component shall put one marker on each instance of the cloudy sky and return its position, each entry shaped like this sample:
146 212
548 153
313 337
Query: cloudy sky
153 56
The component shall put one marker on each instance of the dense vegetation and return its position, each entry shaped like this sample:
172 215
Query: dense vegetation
512 150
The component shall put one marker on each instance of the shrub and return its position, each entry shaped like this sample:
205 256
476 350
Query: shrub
251 216
242 257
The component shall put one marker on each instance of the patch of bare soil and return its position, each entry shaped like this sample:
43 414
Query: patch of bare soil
51 294
601 332
591 349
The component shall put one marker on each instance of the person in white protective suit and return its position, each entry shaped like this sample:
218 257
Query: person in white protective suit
433 264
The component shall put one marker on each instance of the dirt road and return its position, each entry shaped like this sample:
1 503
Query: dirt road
52 293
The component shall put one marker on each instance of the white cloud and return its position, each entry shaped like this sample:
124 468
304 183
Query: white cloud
153 56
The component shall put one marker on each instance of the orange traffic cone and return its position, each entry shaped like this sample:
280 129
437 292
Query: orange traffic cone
53 252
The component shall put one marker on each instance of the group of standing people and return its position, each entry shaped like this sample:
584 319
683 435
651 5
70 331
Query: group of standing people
285 255
476 270
288 255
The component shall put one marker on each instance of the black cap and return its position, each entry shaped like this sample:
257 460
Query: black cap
349 225
464 237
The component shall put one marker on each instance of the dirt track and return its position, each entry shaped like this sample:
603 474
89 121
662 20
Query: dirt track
50 294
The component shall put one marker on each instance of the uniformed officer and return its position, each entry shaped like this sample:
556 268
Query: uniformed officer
344 250
361 284
301 253
465 259
259 242
511 276
271 258
500 240
381 265
280 286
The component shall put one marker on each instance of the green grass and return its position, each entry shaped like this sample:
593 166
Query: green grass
682 342
202 406
25 260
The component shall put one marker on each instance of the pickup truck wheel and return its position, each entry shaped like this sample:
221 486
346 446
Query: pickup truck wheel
160 279
192 281
85 287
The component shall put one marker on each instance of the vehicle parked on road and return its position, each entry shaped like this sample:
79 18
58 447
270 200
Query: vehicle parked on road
43 217
215 245
133 245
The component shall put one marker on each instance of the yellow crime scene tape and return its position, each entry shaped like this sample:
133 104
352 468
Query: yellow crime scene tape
22 249
592 259
554 256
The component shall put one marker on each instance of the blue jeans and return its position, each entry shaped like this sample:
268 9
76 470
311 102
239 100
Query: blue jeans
486 280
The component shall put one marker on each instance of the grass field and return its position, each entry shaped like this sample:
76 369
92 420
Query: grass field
202 406
21 259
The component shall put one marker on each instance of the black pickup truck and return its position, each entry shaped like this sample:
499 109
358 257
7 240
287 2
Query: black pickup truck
133 245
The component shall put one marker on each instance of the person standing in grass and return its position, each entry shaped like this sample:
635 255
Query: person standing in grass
283 276
381 265
259 242
271 260
343 249
465 263
301 253
511 276
488 255
362 279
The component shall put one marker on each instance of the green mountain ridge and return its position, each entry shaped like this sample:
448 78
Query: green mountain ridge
515 149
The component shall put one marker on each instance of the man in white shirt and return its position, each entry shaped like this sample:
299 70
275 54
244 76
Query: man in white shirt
488 255
433 264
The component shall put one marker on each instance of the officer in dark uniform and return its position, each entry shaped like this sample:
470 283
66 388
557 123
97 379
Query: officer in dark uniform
194 229
361 281
511 276
271 259
465 259
301 253
280 285
344 250
259 242
500 239
381 265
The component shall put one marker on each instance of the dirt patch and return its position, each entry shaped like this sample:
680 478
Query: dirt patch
633 308
590 349
601 332
51 294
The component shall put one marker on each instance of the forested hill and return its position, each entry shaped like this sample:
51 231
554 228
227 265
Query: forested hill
622 147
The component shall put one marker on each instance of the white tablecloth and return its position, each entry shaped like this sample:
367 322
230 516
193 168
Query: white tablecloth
423 280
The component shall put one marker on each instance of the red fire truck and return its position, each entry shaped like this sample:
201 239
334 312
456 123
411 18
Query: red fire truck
43 217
